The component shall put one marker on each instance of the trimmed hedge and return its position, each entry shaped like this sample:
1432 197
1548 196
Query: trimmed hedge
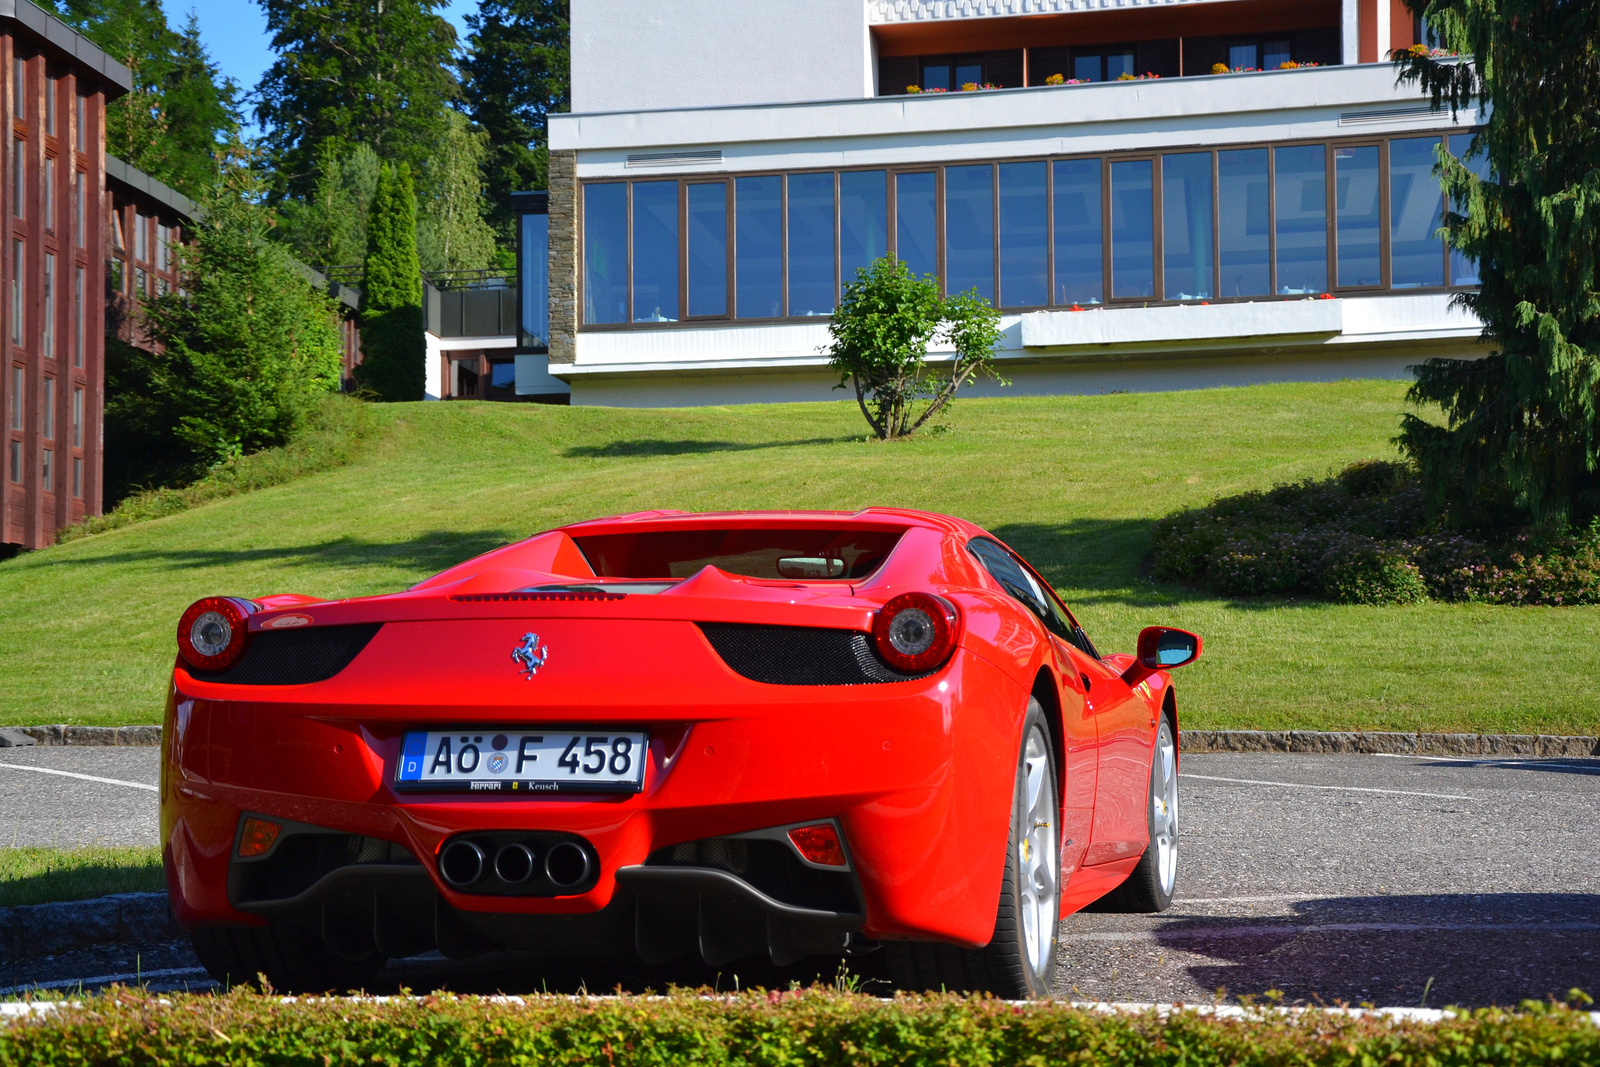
1362 537
813 1028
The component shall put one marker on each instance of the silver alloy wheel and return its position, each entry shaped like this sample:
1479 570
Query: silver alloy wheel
1038 856
1164 808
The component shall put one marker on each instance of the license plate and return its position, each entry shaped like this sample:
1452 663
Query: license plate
517 762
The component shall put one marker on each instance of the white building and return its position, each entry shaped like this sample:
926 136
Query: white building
1141 221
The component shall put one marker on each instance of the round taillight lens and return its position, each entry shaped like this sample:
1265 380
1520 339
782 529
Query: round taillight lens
212 633
915 632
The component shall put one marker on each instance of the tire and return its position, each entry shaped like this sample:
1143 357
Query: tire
291 959
1019 962
1150 886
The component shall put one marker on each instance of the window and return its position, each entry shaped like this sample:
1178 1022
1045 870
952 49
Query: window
655 251
969 230
16 461
1244 213
77 316
77 477
1302 219
47 470
707 242
49 306
81 132
810 553
916 221
1024 235
19 89
950 73
163 239
1416 211
863 220
48 180
1103 64
1132 229
1463 269
79 207
812 289
758 252
18 258
1078 240
114 275
18 391
1258 53
48 420
118 240
141 238
1357 210
533 269
50 106
19 178
77 417
141 283
1186 225
1018 580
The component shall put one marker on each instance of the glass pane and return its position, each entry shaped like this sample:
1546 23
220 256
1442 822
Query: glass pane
915 223
1275 54
1079 263
811 288
655 251
1024 247
708 248
1243 214
863 220
936 76
1302 222
1086 68
1186 225
968 74
1118 64
605 253
758 250
1356 207
1416 210
969 229
533 270
1132 229
1463 270
1242 56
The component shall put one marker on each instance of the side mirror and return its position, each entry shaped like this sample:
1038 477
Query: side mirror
1162 648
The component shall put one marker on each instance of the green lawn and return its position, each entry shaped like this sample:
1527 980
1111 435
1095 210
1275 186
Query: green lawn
1072 482
39 875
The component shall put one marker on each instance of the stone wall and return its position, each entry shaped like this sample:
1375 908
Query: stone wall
563 187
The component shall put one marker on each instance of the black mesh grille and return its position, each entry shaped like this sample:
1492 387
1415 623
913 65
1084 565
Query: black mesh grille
302 860
800 655
295 657
770 866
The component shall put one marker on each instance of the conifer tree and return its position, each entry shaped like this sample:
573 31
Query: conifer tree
1521 439
392 340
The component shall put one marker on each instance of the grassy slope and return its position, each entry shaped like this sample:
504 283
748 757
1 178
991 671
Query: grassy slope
86 628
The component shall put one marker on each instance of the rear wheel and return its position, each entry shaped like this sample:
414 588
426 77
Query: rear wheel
1020 959
292 959
1149 888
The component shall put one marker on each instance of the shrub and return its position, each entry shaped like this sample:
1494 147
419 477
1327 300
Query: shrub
1363 537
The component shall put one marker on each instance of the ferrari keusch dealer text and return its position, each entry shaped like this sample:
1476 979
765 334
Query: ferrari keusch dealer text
669 736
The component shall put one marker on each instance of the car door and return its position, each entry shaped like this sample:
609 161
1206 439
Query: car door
1080 740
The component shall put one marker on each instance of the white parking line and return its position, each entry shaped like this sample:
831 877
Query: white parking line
1279 898
1575 762
1282 929
75 774
1336 788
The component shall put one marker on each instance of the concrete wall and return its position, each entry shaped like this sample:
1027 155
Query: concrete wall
642 55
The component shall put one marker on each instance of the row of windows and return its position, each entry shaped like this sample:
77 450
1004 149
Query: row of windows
19 192
47 469
1235 223
19 103
47 304
18 412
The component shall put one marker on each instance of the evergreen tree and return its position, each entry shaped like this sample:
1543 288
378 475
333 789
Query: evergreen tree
451 231
182 115
355 72
329 228
391 294
517 72
1522 433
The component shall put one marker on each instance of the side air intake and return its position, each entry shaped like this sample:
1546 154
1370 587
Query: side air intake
800 655
295 657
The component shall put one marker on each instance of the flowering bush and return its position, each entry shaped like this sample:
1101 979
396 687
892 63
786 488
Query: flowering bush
1362 537
1219 68
1422 50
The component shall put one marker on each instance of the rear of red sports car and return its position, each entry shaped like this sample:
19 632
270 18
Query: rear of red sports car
658 735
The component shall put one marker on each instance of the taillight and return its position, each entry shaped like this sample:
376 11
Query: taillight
819 844
212 633
257 836
915 632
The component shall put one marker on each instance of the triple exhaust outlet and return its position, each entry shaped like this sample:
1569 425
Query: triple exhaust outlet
525 867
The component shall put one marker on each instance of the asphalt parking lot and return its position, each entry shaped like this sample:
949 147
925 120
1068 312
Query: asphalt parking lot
1387 880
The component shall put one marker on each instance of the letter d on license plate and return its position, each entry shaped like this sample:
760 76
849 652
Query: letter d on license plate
519 762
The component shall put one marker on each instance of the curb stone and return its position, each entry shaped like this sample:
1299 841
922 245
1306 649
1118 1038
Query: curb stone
1417 744
34 930
103 736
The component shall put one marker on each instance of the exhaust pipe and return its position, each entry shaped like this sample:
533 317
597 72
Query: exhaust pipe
514 864
461 863
566 865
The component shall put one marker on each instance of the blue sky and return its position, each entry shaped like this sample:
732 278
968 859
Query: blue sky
235 32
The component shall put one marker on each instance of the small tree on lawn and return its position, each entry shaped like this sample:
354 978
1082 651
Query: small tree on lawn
1522 433
392 342
881 333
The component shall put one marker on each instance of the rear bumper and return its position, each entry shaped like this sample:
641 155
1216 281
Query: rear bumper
917 775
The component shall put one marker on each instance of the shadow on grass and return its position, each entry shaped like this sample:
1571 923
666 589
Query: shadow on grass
42 875
652 446
426 553
1098 559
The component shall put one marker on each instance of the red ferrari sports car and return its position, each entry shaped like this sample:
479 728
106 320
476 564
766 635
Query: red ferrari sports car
775 734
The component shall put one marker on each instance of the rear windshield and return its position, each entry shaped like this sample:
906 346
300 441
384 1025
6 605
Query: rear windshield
801 555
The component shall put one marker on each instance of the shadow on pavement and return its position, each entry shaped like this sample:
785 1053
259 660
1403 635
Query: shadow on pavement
1469 950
